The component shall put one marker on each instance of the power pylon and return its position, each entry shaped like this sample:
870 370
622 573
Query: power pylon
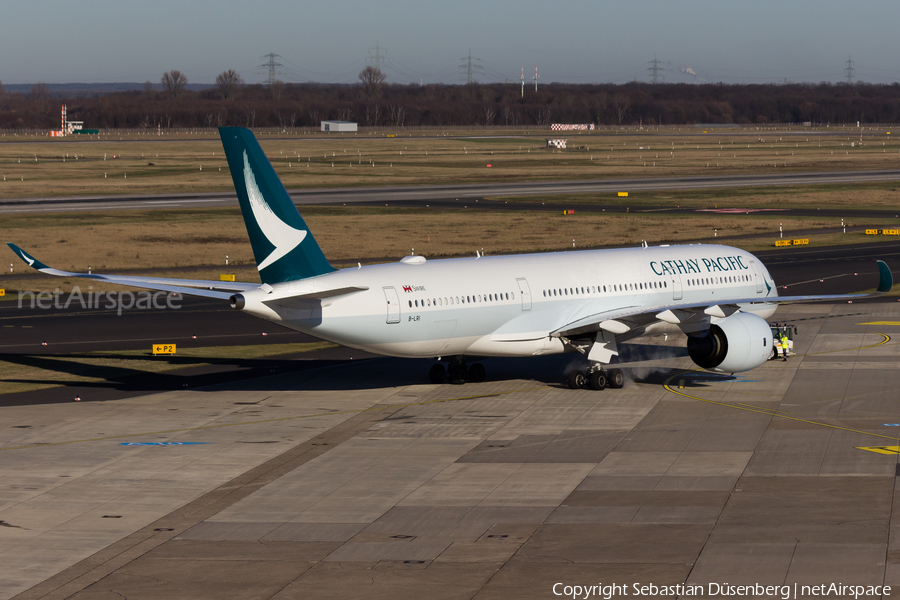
849 71
378 57
271 65
654 68
468 65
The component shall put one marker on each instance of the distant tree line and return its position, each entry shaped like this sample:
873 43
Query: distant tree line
372 102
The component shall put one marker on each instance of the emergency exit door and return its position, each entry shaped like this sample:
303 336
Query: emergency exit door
677 293
525 292
393 304
757 276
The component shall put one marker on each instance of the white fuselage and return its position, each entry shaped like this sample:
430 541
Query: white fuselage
506 305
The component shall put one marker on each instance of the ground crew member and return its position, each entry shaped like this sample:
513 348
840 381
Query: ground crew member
784 346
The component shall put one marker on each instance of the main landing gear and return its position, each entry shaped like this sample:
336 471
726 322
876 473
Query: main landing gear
456 373
596 379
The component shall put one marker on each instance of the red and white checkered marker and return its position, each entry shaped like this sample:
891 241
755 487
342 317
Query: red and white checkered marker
571 126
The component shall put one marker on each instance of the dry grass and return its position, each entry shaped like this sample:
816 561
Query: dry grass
126 240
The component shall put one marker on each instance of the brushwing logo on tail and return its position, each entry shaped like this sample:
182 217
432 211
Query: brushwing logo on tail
281 235
22 254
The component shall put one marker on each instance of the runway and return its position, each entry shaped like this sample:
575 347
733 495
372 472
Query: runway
360 480
417 195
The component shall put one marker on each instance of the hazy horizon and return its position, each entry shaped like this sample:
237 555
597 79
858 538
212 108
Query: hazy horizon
103 41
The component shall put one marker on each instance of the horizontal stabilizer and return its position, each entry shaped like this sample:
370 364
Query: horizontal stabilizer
303 300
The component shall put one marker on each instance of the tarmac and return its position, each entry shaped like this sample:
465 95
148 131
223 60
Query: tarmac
359 479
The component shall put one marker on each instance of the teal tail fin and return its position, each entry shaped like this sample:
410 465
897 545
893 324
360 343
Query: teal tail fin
283 247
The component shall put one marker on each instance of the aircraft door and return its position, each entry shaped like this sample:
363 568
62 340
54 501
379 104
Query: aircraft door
757 276
525 291
676 287
393 304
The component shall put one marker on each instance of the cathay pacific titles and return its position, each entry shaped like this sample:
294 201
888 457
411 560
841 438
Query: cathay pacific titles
692 265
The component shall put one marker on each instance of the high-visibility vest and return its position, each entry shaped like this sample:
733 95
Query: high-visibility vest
784 342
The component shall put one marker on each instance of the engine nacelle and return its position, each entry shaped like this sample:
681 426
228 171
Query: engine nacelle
737 343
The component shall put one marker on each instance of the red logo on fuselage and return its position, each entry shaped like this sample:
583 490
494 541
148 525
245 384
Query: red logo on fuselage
407 288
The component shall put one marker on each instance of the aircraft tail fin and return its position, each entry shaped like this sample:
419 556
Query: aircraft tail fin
283 247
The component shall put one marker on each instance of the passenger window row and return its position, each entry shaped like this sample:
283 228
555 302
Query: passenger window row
718 280
602 289
454 300
573 291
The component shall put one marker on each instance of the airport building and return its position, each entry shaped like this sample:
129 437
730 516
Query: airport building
338 126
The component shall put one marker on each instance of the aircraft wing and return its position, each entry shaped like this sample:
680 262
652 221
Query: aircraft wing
623 320
222 290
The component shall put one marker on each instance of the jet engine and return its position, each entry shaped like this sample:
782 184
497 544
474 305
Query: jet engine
737 343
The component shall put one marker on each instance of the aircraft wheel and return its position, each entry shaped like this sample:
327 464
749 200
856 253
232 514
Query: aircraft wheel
457 373
616 378
576 380
598 380
476 373
437 373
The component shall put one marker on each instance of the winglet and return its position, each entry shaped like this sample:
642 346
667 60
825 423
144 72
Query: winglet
30 260
886 280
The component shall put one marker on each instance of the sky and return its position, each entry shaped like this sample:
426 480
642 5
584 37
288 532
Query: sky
577 41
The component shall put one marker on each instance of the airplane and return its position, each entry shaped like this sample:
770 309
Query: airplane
487 306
